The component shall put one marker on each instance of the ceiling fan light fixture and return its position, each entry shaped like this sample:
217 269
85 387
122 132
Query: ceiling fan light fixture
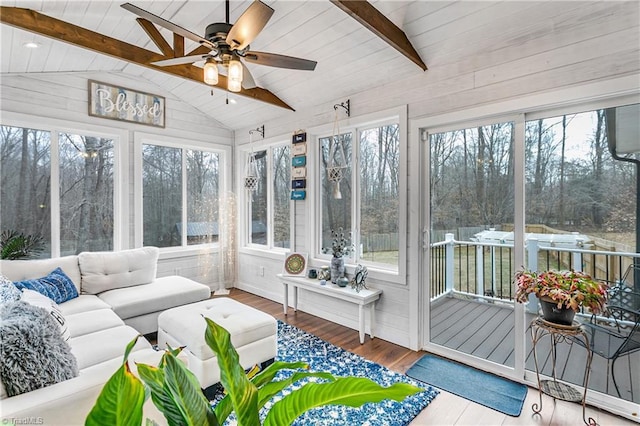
235 69
210 72
234 85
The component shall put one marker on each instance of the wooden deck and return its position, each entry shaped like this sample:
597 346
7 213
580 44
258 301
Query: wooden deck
486 330
446 409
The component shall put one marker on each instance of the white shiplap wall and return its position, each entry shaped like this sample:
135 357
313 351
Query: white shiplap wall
62 98
570 50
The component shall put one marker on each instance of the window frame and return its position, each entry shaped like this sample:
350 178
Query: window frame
120 169
379 271
140 139
244 201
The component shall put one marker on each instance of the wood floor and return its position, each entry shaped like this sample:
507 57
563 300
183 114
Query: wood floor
446 409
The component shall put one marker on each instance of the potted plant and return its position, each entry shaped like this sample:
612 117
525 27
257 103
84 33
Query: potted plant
561 293
175 391
340 246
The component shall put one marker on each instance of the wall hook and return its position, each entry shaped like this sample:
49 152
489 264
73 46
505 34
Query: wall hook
346 105
258 130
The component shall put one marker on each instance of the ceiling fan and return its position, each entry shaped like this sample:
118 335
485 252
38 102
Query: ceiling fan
228 43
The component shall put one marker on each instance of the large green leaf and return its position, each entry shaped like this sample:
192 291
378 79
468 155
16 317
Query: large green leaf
351 391
121 399
185 390
267 388
153 377
243 394
266 392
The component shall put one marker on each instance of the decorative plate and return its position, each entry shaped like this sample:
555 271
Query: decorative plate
295 264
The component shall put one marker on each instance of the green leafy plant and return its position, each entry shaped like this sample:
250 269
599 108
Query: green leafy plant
175 391
15 245
570 289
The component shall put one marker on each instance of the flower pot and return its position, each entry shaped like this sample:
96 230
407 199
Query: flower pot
337 268
551 312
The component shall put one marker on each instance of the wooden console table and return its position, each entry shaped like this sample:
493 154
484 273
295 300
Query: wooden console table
364 298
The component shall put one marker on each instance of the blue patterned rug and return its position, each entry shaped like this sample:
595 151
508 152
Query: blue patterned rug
297 345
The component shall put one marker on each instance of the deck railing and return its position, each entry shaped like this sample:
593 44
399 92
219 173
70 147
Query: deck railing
486 270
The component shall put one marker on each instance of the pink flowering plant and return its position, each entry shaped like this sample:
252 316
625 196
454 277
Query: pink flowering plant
571 289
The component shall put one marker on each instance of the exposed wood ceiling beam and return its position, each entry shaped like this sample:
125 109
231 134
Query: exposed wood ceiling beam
363 12
155 36
47 26
178 45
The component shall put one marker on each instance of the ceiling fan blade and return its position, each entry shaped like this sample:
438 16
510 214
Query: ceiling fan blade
249 25
179 61
247 79
280 61
165 24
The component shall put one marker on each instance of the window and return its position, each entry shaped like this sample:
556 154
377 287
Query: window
268 203
78 215
86 193
365 202
577 188
25 172
180 195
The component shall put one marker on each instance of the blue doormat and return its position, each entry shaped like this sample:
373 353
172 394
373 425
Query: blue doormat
297 345
486 389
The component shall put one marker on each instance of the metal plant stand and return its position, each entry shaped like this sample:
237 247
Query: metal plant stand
554 388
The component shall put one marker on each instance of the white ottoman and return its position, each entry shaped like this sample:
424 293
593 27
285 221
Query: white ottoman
253 334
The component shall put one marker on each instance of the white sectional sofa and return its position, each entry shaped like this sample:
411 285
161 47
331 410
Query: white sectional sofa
119 298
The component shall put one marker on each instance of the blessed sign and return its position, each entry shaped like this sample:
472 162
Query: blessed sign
119 103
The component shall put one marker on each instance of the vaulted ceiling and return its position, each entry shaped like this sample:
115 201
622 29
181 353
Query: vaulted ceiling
351 58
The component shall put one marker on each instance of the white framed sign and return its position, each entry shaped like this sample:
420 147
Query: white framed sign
122 104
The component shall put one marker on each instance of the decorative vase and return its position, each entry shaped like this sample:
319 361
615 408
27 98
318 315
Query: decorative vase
343 281
551 313
337 268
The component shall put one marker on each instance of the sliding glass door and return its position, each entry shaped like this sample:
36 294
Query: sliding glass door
471 211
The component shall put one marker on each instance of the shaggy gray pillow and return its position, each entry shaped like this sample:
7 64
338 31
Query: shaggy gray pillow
33 353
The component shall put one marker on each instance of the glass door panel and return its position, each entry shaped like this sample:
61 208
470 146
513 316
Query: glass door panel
471 193
582 194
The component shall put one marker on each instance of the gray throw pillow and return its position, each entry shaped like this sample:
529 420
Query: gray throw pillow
33 353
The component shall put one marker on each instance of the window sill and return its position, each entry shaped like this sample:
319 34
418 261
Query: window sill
189 251
379 274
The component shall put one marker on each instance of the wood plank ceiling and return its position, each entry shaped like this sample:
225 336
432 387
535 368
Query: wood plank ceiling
350 57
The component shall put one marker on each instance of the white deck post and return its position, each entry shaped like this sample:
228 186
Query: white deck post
449 255
576 257
479 270
532 265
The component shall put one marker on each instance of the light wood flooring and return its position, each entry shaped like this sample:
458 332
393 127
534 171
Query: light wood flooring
446 409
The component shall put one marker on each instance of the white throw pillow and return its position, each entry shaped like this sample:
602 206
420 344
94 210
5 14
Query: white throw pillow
40 300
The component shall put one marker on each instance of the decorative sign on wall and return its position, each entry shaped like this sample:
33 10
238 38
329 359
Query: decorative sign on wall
119 103
298 194
298 172
299 161
299 165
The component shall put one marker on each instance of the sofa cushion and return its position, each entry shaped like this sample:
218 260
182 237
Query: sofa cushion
91 321
33 353
40 300
163 293
83 303
57 286
20 270
103 345
102 271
